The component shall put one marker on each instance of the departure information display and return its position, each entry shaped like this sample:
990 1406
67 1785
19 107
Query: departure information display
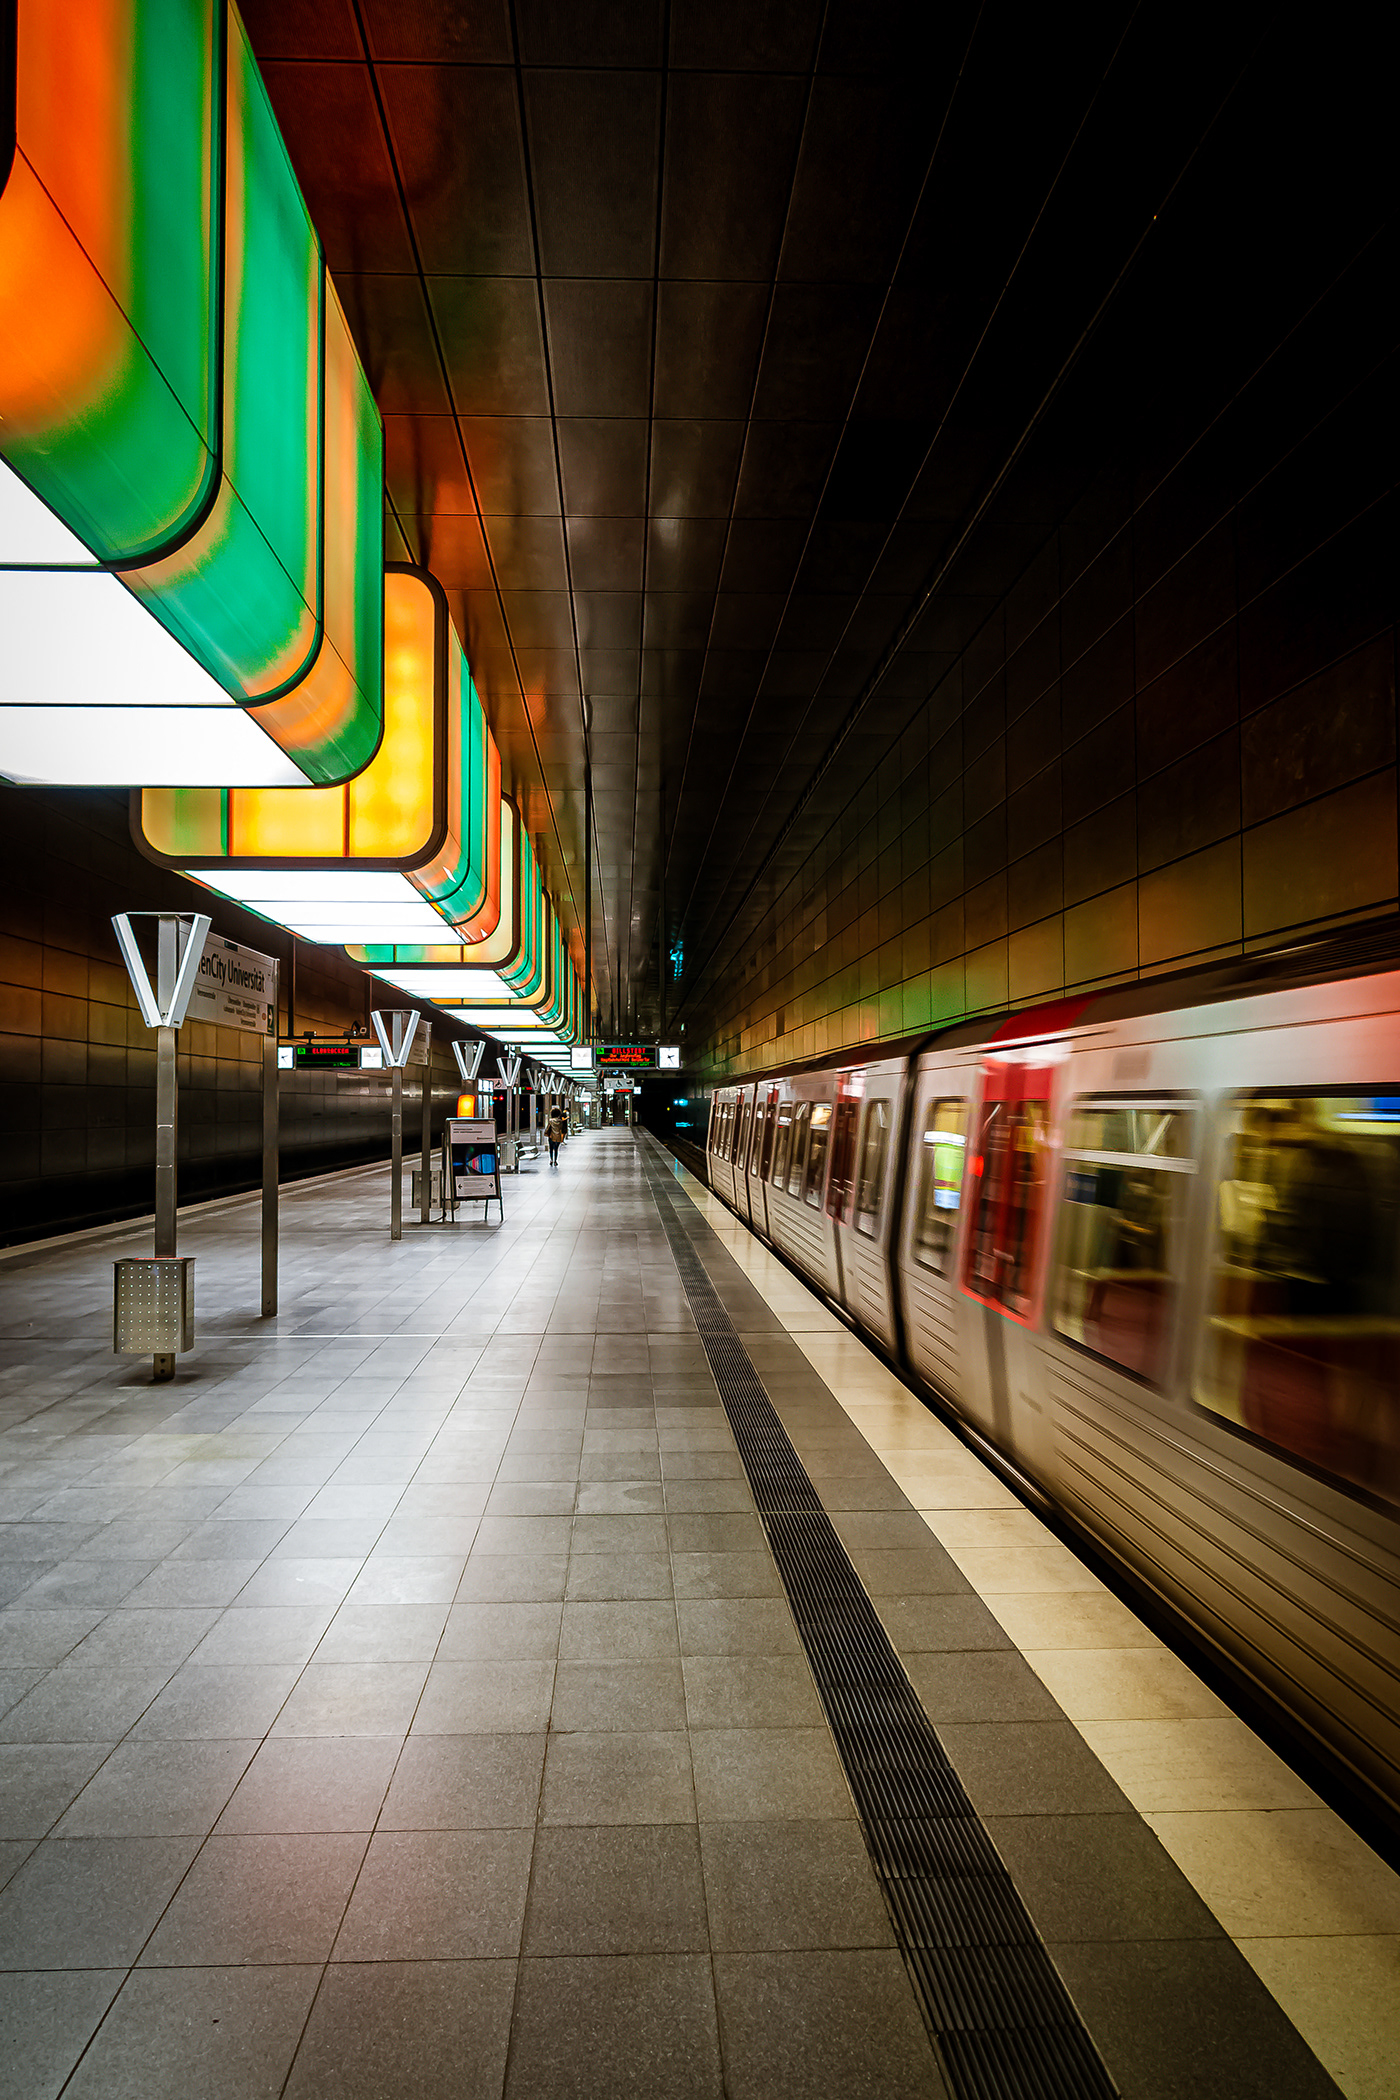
631 1057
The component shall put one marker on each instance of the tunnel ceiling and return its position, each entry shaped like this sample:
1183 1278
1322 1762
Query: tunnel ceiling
720 348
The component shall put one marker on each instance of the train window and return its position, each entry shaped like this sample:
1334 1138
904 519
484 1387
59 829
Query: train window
801 1125
770 1117
1010 1176
741 1134
1302 1333
1119 1248
781 1144
816 1152
760 1140
944 1151
870 1182
843 1158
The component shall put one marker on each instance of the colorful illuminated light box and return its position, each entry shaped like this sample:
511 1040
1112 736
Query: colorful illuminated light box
394 854
190 449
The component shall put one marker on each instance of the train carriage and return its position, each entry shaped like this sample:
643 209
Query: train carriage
1146 1246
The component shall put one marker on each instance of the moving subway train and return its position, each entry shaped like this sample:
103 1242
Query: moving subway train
1146 1245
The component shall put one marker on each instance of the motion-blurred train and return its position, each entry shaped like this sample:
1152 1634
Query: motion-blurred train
1146 1246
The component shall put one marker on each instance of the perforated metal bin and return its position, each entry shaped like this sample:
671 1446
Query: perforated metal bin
153 1305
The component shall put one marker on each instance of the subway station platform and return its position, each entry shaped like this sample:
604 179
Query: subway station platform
557 1658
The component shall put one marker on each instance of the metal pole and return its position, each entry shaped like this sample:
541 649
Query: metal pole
661 1031
271 1087
426 1178
167 1113
396 1185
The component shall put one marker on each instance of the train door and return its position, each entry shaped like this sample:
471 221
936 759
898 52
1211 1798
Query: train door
743 1183
841 1180
928 1239
864 1151
1003 1261
760 1159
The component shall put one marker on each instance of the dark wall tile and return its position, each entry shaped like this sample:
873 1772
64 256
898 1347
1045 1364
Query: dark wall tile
1324 733
1100 767
1190 804
1101 852
1192 702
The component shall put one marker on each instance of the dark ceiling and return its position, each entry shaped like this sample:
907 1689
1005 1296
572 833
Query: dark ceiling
710 338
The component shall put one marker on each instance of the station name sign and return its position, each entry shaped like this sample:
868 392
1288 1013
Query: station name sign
630 1057
235 987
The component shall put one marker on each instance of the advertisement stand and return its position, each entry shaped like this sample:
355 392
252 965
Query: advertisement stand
471 1164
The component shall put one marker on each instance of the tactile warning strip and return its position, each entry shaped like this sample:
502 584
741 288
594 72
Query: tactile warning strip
1001 2020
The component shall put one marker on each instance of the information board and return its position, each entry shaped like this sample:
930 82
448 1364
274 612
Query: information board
235 987
620 1057
471 1161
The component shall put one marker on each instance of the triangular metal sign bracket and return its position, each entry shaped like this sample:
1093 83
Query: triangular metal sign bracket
191 956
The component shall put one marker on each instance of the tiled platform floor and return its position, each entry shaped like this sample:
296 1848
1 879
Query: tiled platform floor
404 1701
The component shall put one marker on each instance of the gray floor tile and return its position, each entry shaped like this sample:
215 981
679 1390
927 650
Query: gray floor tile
303 1584
441 1895
76 1583
485 1698
88 1903
313 1783
643 1777
623 1695
73 1705
420 2030
629 1631
135 1640
788 1885
703 1574
702 1465
605 1577
466 1782
621 1890
767 1775
264 1634
630 1534
992 1684
522 1535
946 1624
153 1789
1104 1877
716 1534
500 1578
13 1853
750 1691
532 1498
737 1626
223 2034
38 1780
635 2027
630 1465
1028 1768
708 1497
1175 2019
259 1900
841 2024
244 1538
509 1632
352 1699
43 1637
620 1498
382 1633
388 1578
209 1699
193 1582
46 2021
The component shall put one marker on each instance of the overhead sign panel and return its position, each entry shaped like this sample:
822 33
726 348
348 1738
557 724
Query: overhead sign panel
618 1057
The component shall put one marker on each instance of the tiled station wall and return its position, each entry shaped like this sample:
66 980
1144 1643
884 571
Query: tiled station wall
1173 739
77 1063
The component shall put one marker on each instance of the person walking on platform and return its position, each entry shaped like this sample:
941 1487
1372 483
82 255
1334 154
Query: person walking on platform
556 1134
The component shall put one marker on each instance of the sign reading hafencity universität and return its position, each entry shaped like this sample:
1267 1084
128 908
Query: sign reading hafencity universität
235 987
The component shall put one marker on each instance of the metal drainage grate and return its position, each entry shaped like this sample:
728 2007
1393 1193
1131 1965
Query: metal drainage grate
1001 2020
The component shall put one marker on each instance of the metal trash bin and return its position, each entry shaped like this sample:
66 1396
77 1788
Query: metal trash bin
153 1305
